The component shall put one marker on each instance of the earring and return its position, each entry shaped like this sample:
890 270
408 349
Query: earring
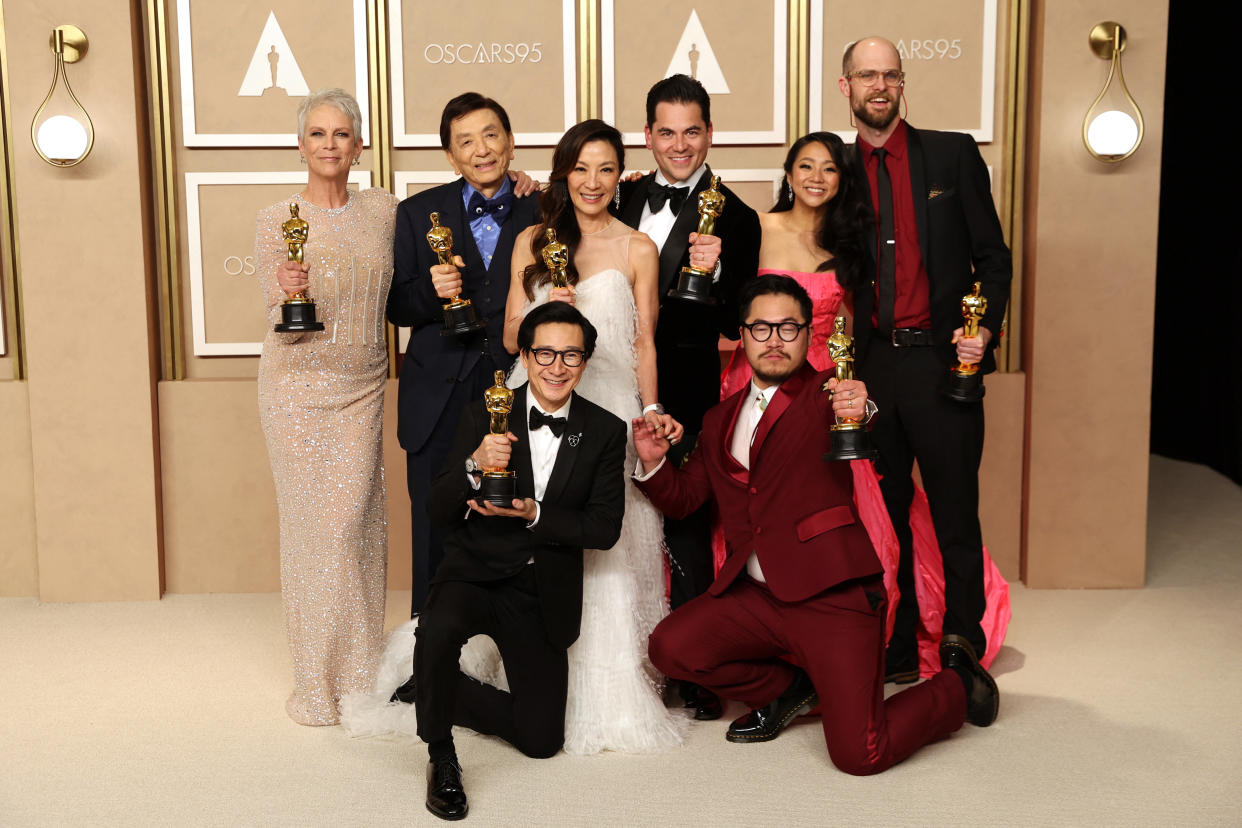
789 191
616 197
357 160
302 158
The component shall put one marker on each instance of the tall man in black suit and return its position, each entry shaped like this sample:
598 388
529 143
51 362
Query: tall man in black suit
515 573
664 205
442 374
937 233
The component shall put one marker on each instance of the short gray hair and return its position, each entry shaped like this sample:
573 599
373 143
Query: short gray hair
339 98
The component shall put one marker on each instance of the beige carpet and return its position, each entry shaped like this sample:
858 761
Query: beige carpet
1117 708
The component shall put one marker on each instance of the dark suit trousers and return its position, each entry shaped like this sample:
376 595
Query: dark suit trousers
917 422
740 643
531 716
689 542
422 466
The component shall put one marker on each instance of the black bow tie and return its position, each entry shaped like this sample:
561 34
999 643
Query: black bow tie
498 206
661 193
538 420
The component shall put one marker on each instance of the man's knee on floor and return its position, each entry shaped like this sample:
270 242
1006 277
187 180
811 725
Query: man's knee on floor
541 745
856 760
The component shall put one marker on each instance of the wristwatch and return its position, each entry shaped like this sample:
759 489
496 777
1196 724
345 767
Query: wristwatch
471 466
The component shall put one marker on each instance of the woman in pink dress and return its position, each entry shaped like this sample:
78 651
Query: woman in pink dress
815 233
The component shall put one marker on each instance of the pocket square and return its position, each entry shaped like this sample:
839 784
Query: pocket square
934 192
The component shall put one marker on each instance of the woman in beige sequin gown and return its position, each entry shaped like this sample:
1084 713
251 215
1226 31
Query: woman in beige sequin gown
321 403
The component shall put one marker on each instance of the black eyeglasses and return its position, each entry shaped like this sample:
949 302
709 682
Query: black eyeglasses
891 77
762 331
572 358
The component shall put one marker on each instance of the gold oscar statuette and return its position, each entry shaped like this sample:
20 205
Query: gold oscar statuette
555 258
460 316
498 485
297 312
965 383
850 441
695 284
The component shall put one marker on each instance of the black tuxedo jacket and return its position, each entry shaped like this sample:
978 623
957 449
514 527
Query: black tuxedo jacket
582 508
432 362
959 234
688 334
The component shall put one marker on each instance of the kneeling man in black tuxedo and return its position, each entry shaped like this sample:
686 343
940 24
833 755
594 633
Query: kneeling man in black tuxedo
515 574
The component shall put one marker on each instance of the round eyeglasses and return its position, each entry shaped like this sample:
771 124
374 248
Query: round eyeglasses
787 331
572 357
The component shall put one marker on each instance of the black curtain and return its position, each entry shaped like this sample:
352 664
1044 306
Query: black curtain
1197 348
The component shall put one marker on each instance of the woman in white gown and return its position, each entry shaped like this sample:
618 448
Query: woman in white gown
615 700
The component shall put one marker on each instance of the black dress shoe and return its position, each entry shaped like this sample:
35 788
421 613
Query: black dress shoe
982 697
705 704
900 667
446 798
404 693
767 722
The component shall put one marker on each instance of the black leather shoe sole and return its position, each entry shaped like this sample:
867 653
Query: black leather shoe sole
451 816
768 731
404 693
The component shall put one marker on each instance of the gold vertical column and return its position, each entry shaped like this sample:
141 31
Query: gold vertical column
381 129
164 191
799 68
8 228
1014 163
588 59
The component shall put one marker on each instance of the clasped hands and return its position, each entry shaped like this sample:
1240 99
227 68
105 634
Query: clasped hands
494 452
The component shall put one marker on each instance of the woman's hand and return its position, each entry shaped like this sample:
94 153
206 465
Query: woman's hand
673 430
292 278
561 295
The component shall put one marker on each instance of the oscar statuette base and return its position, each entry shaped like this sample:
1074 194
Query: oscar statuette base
964 388
851 442
297 315
460 318
498 487
694 285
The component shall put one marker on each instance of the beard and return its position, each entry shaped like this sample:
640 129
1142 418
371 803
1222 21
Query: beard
877 121
774 374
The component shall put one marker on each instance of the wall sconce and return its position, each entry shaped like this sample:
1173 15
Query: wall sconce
1110 133
64 139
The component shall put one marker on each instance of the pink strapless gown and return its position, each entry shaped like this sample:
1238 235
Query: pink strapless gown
826 297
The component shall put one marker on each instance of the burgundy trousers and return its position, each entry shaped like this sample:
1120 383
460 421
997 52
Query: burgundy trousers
743 644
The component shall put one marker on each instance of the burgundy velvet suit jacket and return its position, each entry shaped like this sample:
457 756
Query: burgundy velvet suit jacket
792 508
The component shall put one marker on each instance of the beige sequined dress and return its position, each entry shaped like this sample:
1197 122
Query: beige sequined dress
321 403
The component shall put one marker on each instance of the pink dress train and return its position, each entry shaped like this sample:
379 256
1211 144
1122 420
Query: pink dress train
826 297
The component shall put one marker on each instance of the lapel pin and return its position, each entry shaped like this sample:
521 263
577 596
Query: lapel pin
574 438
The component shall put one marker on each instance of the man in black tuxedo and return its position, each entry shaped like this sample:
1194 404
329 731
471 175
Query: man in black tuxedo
937 233
664 205
515 573
442 374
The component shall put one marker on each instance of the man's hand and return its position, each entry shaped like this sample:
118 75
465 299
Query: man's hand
704 251
446 278
849 398
523 184
970 349
522 508
649 443
495 450
633 175
292 278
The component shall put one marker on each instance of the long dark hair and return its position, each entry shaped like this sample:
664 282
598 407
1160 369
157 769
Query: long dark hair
554 202
844 226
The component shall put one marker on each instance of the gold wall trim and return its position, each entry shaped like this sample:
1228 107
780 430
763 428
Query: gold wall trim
8 228
164 185
588 60
1014 164
798 82
381 131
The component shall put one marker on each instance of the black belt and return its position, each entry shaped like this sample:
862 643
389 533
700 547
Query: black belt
911 338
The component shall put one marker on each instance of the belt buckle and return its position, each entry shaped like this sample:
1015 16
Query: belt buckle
893 338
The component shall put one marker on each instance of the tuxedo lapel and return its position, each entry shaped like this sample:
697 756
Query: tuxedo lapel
735 469
567 454
521 462
918 187
453 216
632 210
781 400
678 241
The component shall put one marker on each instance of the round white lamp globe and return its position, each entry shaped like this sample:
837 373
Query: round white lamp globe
1112 133
62 138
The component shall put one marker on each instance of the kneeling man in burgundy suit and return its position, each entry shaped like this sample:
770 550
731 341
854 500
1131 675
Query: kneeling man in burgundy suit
796 615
